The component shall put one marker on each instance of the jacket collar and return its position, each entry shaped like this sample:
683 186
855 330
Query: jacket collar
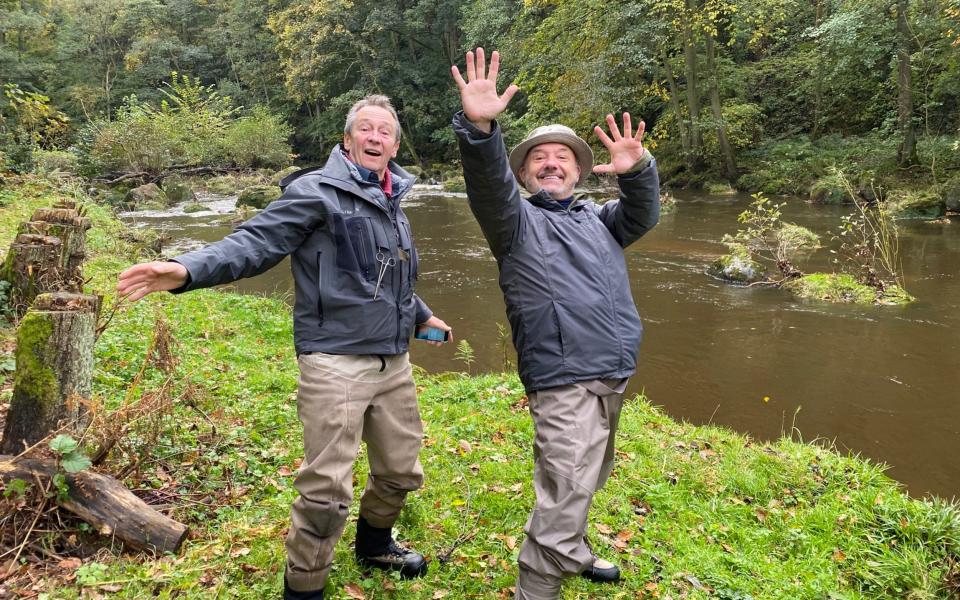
341 173
542 199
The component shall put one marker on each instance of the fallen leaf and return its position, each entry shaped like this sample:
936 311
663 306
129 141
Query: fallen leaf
239 552
839 556
70 563
465 447
604 529
625 535
439 594
354 591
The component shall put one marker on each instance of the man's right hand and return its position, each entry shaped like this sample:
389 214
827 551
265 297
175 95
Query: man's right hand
478 94
140 280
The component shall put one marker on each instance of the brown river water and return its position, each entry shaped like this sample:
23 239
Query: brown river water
878 381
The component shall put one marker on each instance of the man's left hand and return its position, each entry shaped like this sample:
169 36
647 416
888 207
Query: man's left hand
439 324
625 150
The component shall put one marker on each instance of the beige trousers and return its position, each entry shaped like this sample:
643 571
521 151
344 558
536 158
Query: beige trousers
575 426
341 400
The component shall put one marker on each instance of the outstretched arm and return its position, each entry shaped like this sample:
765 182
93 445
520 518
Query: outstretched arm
491 188
638 209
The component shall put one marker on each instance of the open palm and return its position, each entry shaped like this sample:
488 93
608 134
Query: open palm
478 94
625 150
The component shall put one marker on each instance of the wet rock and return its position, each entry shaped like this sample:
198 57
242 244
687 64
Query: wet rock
416 171
258 196
951 194
738 267
454 183
917 204
276 177
829 190
194 207
146 197
178 190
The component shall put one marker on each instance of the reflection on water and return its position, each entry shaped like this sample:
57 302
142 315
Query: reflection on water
875 380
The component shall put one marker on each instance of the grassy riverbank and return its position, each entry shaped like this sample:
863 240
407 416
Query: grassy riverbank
691 512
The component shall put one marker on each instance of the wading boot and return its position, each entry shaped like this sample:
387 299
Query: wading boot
289 594
602 571
376 548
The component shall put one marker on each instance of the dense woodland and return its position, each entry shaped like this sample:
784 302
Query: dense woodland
731 89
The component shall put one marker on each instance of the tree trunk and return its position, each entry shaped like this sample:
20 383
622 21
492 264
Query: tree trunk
106 504
907 152
675 102
716 106
51 387
693 85
818 76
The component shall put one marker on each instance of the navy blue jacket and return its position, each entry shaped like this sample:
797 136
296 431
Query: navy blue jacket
562 270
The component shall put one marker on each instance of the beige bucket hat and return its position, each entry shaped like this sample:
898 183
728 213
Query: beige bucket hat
560 134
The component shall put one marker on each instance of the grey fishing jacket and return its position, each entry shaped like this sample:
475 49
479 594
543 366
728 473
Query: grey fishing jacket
340 232
562 271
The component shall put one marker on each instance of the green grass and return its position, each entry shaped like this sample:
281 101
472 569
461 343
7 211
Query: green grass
842 287
690 512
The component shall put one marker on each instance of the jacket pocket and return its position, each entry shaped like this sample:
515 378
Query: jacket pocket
354 239
406 242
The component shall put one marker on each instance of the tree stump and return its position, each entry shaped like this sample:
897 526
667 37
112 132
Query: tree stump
54 357
65 222
46 254
32 267
106 504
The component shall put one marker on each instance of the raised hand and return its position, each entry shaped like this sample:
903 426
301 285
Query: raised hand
625 150
478 93
140 280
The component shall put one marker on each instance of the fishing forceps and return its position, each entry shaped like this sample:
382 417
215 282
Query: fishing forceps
385 261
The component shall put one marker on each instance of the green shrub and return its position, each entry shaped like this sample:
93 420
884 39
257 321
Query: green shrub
829 189
256 140
744 128
48 161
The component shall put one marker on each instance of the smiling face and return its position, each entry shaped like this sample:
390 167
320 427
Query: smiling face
372 140
552 167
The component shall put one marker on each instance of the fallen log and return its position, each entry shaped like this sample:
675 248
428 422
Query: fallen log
105 503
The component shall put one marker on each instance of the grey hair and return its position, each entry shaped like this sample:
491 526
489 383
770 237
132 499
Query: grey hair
371 100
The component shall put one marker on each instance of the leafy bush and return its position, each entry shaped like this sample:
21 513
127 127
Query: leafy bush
27 122
744 128
257 140
48 161
194 125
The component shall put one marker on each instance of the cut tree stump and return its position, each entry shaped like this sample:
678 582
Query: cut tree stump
54 355
32 266
106 504
46 254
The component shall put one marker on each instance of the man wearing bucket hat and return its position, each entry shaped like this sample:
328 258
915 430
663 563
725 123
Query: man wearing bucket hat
564 280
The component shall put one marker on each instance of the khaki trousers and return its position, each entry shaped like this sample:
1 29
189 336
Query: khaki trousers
575 426
341 400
